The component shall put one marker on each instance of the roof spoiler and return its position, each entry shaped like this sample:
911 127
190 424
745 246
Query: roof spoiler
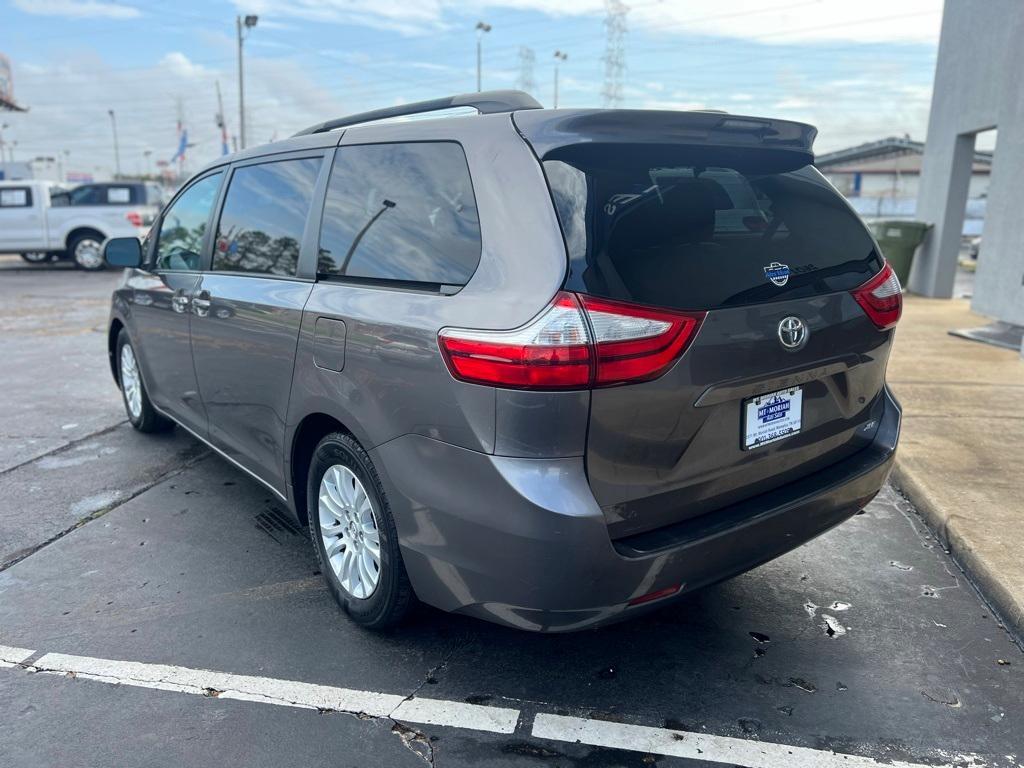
553 129
485 102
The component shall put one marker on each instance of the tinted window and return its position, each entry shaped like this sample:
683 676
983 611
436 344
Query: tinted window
264 214
184 224
401 212
105 194
657 226
16 197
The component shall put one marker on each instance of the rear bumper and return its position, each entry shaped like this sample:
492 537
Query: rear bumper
523 542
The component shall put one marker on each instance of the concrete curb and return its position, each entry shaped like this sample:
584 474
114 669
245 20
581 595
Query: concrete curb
943 522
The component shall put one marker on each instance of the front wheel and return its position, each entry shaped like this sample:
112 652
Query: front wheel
87 252
354 534
36 257
141 413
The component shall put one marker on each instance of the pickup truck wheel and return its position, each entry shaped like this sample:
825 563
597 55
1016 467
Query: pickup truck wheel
87 251
36 257
141 413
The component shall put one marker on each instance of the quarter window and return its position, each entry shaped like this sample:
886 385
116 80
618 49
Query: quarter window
401 213
264 214
183 226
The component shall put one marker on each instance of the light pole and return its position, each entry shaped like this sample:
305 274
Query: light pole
560 56
3 126
242 24
482 28
117 151
146 154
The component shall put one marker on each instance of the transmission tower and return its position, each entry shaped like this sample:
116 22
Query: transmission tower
526 61
614 51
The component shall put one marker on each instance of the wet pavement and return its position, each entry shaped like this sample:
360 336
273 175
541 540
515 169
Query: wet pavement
867 643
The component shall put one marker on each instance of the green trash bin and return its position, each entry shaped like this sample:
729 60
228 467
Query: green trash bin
898 241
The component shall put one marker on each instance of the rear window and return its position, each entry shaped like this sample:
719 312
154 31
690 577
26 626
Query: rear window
667 227
101 194
400 213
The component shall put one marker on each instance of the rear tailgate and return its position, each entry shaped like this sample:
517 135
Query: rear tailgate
736 223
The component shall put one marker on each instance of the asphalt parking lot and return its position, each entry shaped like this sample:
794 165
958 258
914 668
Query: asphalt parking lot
159 608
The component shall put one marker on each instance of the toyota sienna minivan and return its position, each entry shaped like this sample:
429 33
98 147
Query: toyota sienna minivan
549 368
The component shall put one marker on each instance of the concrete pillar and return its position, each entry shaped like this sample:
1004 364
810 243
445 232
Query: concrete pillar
945 179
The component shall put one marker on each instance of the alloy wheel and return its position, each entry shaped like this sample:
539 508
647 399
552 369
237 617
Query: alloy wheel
348 529
131 382
89 253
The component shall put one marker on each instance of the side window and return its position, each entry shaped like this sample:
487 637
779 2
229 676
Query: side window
182 228
264 214
400 212
16 197
87 195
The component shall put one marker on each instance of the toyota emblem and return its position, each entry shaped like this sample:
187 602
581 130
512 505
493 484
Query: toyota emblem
793 332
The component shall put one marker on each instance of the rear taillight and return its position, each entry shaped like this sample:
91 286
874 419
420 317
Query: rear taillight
881 298
576 343
636 343
134 218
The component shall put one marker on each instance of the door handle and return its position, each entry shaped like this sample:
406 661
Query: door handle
201 303
179 301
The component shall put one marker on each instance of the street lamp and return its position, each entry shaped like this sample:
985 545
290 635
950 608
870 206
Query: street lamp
482 28
560 56
242 25
146 154
117 151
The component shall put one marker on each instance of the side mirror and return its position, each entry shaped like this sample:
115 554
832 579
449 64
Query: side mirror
123 252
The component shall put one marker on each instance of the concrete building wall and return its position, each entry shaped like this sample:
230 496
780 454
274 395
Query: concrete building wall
978 86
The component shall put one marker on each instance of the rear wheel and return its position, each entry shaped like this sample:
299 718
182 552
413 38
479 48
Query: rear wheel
354 534
87 251
140 410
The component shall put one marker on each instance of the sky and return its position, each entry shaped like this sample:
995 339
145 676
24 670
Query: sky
859 71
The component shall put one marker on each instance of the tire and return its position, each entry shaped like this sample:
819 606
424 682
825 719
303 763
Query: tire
140 410
349 469
86 250
36 257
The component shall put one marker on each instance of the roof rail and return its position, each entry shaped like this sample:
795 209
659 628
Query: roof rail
485 102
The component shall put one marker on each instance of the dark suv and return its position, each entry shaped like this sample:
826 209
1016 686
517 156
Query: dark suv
549 368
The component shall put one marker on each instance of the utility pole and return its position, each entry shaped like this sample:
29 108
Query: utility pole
242 25
482 28
614 52
526 62
117 151
222 123
560 56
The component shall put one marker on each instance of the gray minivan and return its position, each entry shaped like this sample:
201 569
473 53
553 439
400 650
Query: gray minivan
549 368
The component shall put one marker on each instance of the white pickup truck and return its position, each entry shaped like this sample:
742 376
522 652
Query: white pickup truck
42 221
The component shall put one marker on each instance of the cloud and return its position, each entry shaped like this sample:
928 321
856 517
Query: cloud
69 103
78 9
798 21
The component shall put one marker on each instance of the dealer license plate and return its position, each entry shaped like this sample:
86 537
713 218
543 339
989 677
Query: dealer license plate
772 417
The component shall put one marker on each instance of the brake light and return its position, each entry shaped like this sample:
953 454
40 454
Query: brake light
134 218
636 343
576 343
881 298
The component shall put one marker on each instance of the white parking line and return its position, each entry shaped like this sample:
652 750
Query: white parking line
287 693
10 656
456 714
708 747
